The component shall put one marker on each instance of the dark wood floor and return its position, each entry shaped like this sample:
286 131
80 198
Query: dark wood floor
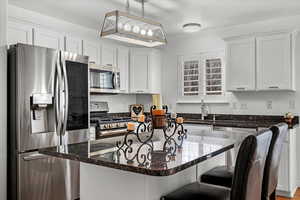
296 197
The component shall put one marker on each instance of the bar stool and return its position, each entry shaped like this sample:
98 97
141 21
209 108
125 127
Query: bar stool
248 173
223 175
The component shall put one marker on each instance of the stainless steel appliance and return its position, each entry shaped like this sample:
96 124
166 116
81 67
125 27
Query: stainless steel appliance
107 124
104 79
48 105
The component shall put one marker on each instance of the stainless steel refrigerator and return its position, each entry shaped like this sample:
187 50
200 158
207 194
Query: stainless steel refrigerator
48 105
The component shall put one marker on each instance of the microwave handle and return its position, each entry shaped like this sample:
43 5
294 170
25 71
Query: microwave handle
114 80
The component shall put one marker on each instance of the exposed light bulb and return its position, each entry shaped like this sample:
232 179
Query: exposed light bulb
127 27
136 29
150 33
143 32
120 25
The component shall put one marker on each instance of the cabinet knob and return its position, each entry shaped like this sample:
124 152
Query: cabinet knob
241 88
273 87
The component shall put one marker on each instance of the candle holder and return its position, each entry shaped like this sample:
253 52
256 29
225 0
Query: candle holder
174 135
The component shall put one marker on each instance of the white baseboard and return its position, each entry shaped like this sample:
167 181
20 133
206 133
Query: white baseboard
284 194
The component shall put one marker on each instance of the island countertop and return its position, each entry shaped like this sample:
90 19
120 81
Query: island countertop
139 159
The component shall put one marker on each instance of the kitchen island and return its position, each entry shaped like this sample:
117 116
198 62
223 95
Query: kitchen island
145 172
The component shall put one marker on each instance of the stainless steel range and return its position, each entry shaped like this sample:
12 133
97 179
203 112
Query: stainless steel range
104 123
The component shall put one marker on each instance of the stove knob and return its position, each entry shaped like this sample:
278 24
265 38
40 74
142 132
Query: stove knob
105 126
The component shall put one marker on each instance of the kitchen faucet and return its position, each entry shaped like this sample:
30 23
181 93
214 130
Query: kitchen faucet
204 110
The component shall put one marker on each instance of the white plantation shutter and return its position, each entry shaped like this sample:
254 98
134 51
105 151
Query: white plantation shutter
214 76
202 75
191 77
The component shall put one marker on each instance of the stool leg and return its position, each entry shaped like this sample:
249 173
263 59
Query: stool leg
273 195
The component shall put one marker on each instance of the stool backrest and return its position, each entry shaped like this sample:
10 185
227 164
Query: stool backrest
249 168
270 178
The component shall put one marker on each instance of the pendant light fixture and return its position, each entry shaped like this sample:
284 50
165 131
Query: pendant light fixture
123 26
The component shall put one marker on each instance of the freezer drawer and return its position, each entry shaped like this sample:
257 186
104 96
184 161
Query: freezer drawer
43 177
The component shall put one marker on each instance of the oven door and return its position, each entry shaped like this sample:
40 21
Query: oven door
104 81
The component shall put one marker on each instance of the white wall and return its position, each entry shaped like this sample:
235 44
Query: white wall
3 97
211 40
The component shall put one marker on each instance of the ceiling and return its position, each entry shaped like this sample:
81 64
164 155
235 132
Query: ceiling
171 13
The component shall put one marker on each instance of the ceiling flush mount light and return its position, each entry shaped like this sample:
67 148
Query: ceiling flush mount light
191 27
132 29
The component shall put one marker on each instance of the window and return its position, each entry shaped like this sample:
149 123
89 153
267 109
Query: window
202 75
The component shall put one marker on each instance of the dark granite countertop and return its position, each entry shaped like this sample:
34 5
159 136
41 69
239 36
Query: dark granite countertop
195 149
231 120
239 121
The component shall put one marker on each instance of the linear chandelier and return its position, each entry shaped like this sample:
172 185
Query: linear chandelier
123 26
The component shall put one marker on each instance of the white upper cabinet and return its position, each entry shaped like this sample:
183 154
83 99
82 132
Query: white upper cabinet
73 45
263 62
155 72
123 65
48 38
18 33
241 65
139 70
92 49
108 55
274 67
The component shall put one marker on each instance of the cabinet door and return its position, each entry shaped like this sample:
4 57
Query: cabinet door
108 55
48 38
155 72
18 33
92 49
241 65
139 71
274 71
283 174
73 45
123 63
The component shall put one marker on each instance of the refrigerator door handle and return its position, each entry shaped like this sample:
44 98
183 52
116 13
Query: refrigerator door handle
57 97
36 156
66 93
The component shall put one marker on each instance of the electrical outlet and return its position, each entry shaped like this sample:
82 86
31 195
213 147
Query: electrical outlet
269 104
292 104
244 106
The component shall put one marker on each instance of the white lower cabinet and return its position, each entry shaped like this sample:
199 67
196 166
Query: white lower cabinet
287 175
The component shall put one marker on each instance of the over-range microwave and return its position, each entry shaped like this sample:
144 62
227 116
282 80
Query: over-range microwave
104 79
